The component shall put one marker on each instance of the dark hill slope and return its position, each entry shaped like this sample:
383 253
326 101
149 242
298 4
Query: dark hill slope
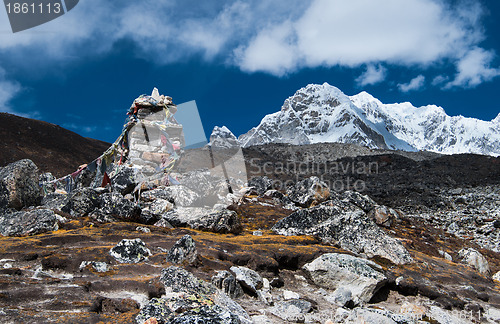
52 148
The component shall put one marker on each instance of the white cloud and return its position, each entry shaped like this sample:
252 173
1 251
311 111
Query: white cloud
416 83
277 37
8 91
374 74
439 80
474 68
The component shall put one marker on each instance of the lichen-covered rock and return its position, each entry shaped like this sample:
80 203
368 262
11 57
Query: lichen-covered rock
177 279
341 271
373 315
83 201
475 259
130 251
206 315
260 184
125 180
309 191
114 206
347 225
57 201
29 222
97 266
205 219
183 250
19 185
362 201
248 278
225 281
156 308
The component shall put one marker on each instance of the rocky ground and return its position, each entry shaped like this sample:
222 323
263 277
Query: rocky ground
419 243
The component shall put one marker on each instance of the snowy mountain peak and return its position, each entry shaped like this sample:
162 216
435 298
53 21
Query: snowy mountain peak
222 137
323 113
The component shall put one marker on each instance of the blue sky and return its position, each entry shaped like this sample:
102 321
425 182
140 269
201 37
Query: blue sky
239 60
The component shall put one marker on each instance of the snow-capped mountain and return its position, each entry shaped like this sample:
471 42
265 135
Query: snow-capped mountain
222 137
322 113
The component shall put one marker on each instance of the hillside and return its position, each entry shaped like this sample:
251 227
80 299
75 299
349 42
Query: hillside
52 148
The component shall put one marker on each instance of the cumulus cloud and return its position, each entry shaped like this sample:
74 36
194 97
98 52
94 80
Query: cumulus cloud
416 83
374 74
474 68
8 90
276 37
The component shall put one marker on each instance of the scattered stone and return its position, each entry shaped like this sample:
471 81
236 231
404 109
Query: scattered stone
260 184
348 226
445 255
111 306
341 297
29 222
97 266
341 315
292 310
265 297
257 233
178 195
341 271
474 259
496 276
130 251
225 281
19 185
374 315
412 310
248 278
383 215
183 250
261 319
287 295
143 229
310 191
443 317
277 282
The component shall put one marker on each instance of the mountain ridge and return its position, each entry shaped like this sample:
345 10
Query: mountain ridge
323 113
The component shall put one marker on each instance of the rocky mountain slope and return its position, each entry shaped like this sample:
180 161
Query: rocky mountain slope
323 113
53 148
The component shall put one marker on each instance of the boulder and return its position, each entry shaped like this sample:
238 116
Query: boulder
441 316
346 225
292 310
248 278
474 259
178 195
57 201
130 251
260 184
225 281
97 266
156 308
114 206
183 250
308 192
205 219
19 185
125 180
29 222
83 201
178 280
496 276
341 271
362 201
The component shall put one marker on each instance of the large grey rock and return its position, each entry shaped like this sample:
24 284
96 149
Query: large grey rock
19 185
183 250
178 195
341 271
130 251
383 215
178 280
309 191
114 206
204 219
475 259
29 222
83 201
155 308
57 201
125 180
443 317
347 225
248 278
225 281
260 184
362 201
292 310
